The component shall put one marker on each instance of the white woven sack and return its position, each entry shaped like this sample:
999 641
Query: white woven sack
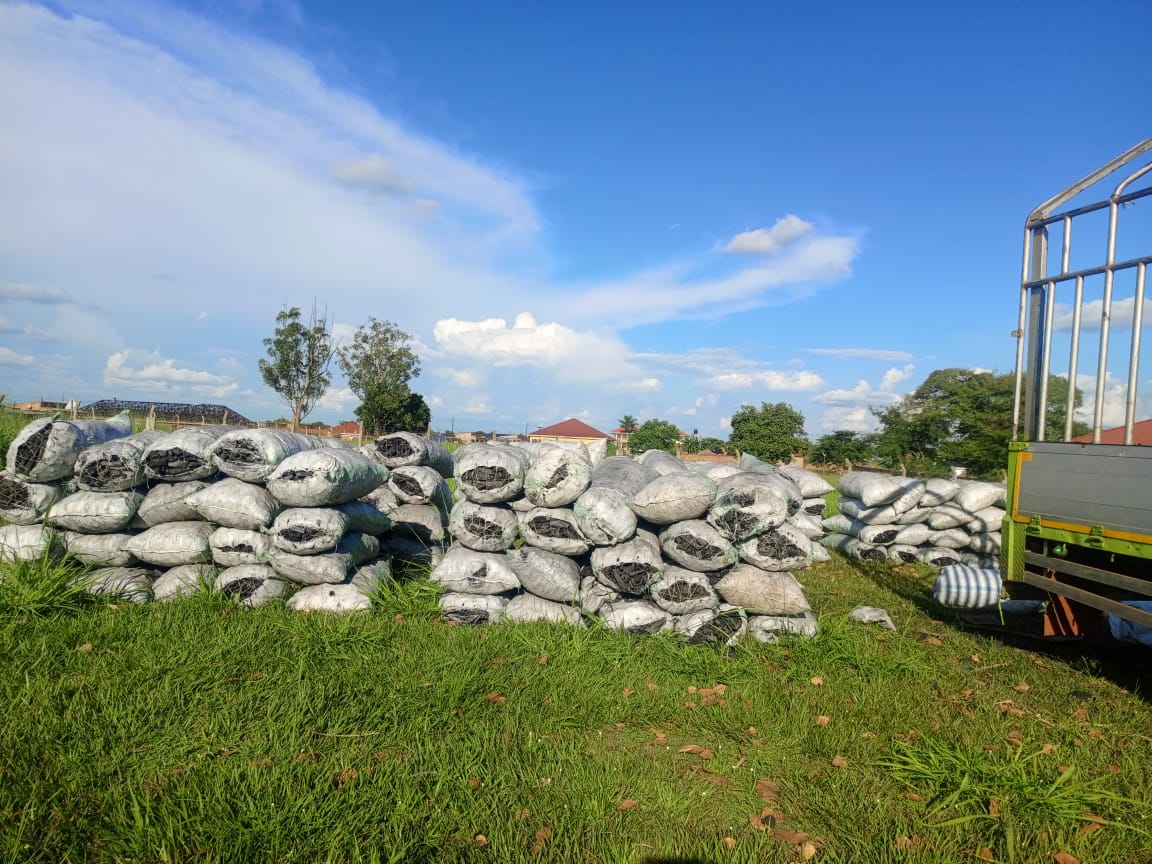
913 535
869 488
912 491
173 543
630 567
815 507
353 550
114 466
974 496
723 625
183 455
235 504
252 455
763 593
680 592
988 519
408 448
422 522
698 546
127 584
948 516
528 608
24 503
487 474
878 535
182 581
472 608
100 550
95 512
950 538
883 515
769 628
779 549
987 543
553 529
938 491
811 484
902 553
47 449
594 594
236 547
939 557
639 617
546 574
557 477
603 515
250 585
420 484
660 461
330 598
625 475
28 542
466 571
308 530
316 478
165 502
916 516
809 526
674 497
483 527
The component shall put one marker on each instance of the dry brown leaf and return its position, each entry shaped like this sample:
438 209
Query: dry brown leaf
521 815
751 730
225 752
994 807
1090 828
1094 733
934 641
985 854
627 691
689 704
86 648
475 782
255 676
621 725
628 804
816 680
542 660
790 835
652 688
690 748
1022 687
912 796
398 618
1065 858
729 842
823 720
304 757
691 688
762 821
907 842
480 840
346 775
839 762
1048 748
497 661
807 850
706 754
496 699
768 791
1081 714
543 835
1113 769
1061 769
1014 737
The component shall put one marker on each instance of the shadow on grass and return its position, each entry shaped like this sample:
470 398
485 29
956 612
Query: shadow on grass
1123 664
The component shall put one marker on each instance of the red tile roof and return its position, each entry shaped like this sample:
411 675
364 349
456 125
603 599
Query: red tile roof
1141 434
570 428
349 428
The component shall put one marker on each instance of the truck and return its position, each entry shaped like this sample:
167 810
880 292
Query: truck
1077 530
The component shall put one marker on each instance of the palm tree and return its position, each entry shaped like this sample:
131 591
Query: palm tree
628 424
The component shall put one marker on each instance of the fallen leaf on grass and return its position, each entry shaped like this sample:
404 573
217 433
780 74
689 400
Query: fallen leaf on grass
751 730
790 835
226 752
475 782
763 821
908 842
994 807
543 835
480 840
689 704
398 618
627 691
1048 749
347 775
1081 714
1065 858
1094 733
823 720
652 688
1022 687
305 757
912 796
768 791
816 680
542 660
628 804
985 854
702 752
1090 828
86 648
934 641
839 762
729 842
496 699
807 850
1014 738
521 815
714 695
659 739
1113 769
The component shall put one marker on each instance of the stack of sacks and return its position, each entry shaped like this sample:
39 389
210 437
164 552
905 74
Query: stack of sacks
248 511
936 522
545 532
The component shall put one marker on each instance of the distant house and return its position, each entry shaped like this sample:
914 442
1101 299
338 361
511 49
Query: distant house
1141 435
348 430
569 430
177 411
39 406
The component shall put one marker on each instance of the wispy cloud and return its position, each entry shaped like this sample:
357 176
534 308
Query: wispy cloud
861 354
862 394
769 379
147 370
23 292
768 241
8 357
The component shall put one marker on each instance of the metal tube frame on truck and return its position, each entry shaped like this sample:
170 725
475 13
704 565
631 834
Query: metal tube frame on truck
1078 526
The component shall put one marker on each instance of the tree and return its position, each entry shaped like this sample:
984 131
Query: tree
299 354
771 432
842 447
714 445
628 424
654 435
379 363
960 416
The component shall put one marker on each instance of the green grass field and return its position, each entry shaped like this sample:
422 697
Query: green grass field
201 732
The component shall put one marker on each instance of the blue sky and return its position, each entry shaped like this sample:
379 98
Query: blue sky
576 209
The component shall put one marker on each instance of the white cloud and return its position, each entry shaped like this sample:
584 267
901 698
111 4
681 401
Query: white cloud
1115 401
725 422
861 394
435 401
8 357
338 400
894 376
857 419
767 241
375 173
159 374
861 353
27 331
13 292
769 379
637 385
477 405
1091 314
463 378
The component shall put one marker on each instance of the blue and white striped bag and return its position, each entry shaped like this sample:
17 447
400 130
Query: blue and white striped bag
964 587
